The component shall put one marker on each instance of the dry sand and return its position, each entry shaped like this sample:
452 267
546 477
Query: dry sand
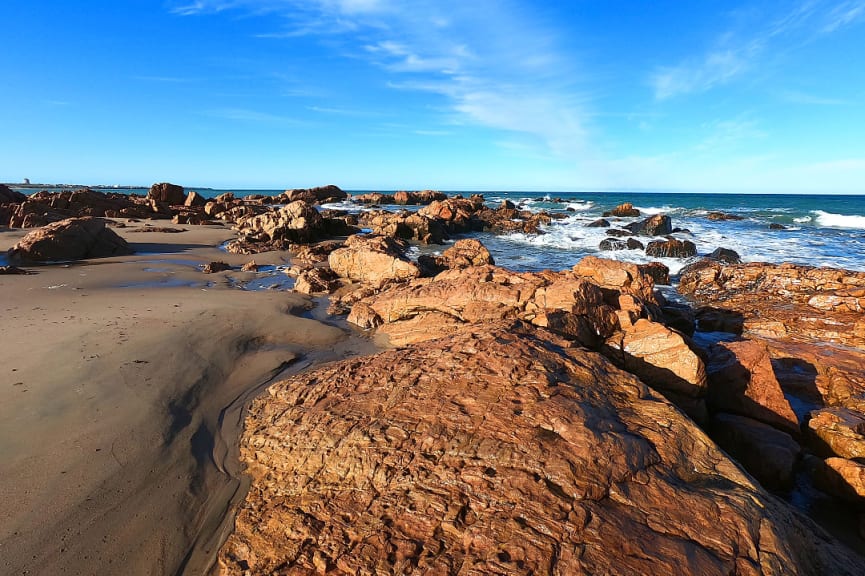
122 383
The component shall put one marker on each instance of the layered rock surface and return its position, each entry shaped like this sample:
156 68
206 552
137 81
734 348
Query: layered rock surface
500 450
72 239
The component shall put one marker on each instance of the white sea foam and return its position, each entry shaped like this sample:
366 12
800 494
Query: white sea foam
803 219
831 220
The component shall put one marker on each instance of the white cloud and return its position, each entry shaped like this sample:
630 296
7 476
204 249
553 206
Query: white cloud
493 63
734 53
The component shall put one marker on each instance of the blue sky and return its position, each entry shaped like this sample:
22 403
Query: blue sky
384 94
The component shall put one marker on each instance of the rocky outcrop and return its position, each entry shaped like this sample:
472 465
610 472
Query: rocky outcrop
318 195
215 266
9 196
657 225
317 281
599 223
766 452
784 301
617 278
72 239
838 432
373 260
500 450
671 248
725 255
44 208
422 197
166 193
194 200
625 210
294 223
463 254
742 381
406 225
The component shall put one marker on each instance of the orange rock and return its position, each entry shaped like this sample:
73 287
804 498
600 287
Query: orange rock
742 381
372 259
499 450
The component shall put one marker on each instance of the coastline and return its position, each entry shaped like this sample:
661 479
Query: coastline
121 406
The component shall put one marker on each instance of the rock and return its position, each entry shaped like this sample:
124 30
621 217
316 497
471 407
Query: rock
406 225
599 223
766 452
317 281
9 196
318 195
215 266
365 316
657 225
250 266
72 239
507 205
625 210
776 226
463 254
634 244
373 260
742 381
842 478
617 277
660 357
166 193
314 253
373 198
454 213
657 271
725 255
498 450
194 199
615 232
722 216
679 317
608 244
44 207
563 302
773 299
672 248
719 320
12 271
837 432
294 223
422 197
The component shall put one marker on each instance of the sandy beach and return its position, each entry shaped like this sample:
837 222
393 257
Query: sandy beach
121 396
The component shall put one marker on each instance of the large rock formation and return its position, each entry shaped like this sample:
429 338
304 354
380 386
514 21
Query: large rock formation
784 300
294 223
72 239
318 195
45 207
657 225
167 193
372 259
500 450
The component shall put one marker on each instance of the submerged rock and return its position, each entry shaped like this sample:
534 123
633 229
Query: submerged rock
657 225
671 248
500 450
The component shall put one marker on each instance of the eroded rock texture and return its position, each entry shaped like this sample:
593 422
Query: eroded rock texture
499 450
71 239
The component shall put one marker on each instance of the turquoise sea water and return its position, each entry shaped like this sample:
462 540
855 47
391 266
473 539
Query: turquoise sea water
820 230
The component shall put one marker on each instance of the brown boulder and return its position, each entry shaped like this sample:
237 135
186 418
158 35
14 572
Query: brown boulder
723 216
166 193
422 197
625 210
194 199
316 281
657 271
463 254
72 239
294 223
373 260
842 478
318 195
838 432
499 451
657 225
766 452
405 225
671 248
215 266
660 357
9 196
618 277
742 381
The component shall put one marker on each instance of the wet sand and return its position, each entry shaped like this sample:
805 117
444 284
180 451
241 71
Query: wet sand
122 386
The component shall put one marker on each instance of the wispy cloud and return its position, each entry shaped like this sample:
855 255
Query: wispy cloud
465 52
797 97
735 52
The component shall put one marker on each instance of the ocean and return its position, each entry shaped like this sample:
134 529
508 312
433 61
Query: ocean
819 230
